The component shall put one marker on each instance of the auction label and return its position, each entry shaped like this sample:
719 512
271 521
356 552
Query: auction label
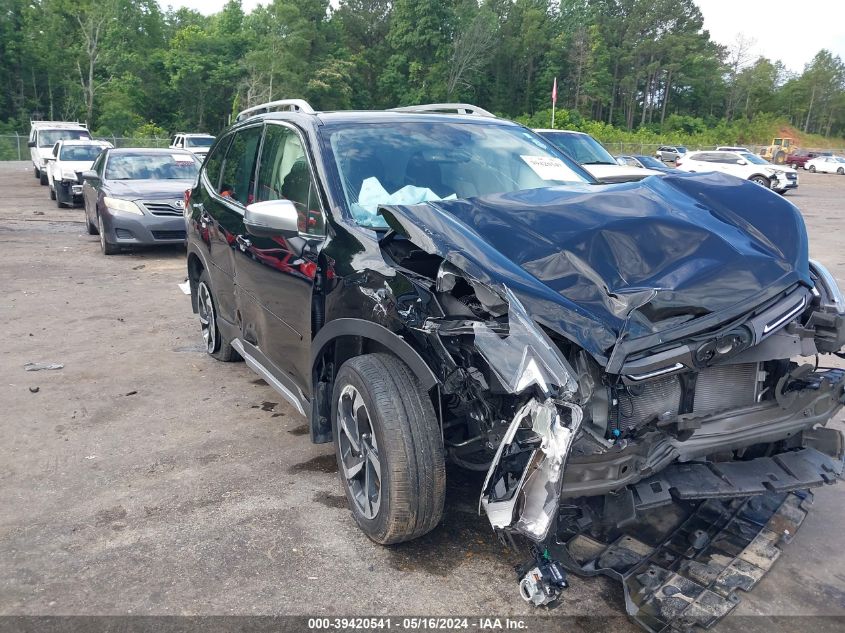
417 624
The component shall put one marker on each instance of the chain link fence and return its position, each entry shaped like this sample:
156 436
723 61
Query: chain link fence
14 146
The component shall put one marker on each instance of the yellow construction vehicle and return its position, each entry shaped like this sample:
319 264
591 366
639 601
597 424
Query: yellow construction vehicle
778 151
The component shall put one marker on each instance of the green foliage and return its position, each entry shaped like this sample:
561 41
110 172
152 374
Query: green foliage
638 70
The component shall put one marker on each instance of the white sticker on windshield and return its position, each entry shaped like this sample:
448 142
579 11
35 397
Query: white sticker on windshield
550 168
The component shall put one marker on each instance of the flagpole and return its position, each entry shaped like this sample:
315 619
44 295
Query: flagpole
554 101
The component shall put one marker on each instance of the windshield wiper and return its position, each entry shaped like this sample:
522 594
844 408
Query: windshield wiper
598 162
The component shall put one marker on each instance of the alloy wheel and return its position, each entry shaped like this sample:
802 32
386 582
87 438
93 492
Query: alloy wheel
359 452
208 322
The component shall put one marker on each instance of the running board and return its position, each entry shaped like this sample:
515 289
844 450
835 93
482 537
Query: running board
269 378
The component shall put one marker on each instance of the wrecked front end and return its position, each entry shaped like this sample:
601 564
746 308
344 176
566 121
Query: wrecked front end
672 448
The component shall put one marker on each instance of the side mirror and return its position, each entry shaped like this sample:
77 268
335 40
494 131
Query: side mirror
31 144
50 158
741 162
272 218
90 174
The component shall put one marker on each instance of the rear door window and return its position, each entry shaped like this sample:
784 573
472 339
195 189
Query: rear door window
238 173
214 163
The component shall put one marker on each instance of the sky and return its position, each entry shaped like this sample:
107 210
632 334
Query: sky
780 29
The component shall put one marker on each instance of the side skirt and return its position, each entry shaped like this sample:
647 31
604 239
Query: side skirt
256 362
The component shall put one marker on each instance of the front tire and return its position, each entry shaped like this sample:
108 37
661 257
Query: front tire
36 173
107 247
840 171
216 343
762 181
812 169
53 195
43 178
389 449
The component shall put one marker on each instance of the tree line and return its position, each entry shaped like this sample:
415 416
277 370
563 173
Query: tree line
127 67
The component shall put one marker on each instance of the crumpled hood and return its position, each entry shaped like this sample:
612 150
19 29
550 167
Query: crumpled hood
147 189
645 258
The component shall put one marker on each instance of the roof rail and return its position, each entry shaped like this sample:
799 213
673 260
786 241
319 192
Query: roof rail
459 108
294 105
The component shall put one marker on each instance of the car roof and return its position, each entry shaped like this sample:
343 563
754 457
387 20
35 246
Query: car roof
57 125
148 150
83 141
194 134
371 116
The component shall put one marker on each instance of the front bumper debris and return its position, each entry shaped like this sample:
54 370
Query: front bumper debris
681 565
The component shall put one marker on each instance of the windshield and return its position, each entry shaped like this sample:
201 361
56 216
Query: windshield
582 148
413 162
80 153
151 167
753 158
199 141
650 162
48 138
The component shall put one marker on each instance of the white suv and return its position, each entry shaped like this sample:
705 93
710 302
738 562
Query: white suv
742 165
43 136
197 144
65 165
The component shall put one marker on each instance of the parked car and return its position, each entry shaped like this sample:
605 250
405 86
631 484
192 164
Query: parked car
43 136
731 148
136 196
592 156
65 165
195 143
800 158
670 153
428 287
645 162
826 165
742 165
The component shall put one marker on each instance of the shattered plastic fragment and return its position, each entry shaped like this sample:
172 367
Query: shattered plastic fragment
42 366
536 495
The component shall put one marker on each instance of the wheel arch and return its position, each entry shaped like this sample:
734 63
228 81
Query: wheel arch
342 339
196 265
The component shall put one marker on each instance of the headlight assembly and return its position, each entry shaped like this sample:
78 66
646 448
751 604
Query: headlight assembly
118 206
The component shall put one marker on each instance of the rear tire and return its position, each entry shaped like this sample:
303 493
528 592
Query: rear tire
395 482
812 169
216 343
840 171
53 194
36 172
43 179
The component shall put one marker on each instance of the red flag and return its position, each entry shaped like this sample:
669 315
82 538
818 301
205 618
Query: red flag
554 91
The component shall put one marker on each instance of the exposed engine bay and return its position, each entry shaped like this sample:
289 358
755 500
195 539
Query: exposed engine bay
718 426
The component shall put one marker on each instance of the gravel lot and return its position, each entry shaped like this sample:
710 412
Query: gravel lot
147 478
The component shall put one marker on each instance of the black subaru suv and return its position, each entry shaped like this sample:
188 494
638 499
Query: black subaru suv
434 284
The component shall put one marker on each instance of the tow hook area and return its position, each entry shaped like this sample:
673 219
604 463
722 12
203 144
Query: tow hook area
542 580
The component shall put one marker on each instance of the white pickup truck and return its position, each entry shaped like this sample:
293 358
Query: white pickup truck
197 144
66 162
43 136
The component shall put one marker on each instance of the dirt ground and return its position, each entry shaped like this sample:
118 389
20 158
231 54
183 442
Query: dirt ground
146 478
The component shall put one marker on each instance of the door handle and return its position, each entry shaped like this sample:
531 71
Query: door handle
243 242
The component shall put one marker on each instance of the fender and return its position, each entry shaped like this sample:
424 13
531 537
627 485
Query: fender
321 428
375 332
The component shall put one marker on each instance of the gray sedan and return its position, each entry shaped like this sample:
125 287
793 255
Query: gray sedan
136 197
